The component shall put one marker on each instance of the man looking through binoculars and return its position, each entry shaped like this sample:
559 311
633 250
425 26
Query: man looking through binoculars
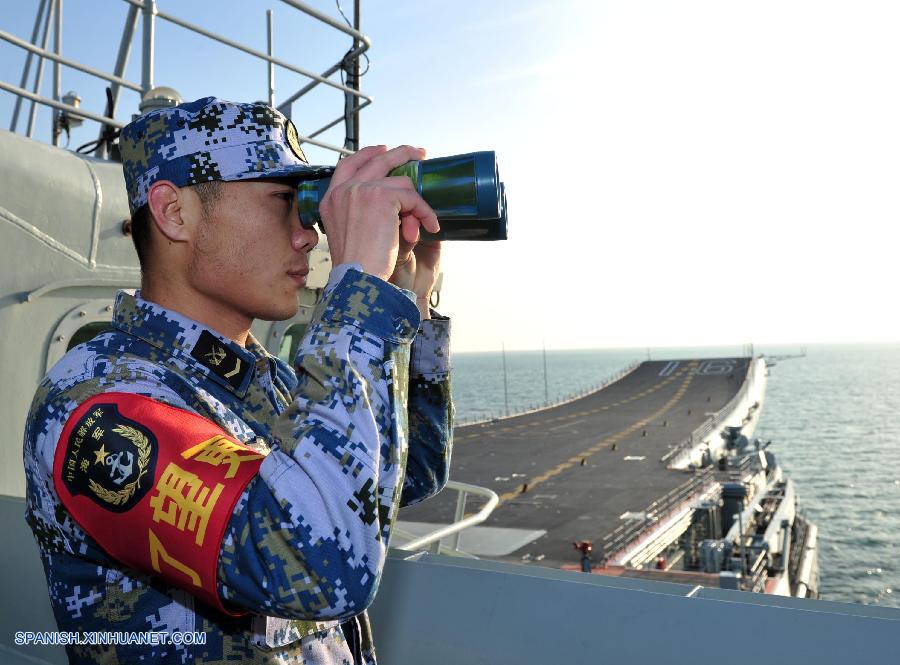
182 479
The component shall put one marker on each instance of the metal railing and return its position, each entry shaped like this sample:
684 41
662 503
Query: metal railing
460 522
757 570
25 94
50 11
683 447
532 408
628 534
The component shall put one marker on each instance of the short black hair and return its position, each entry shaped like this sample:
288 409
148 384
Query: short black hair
208 193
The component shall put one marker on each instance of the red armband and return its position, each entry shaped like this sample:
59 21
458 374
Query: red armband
154 485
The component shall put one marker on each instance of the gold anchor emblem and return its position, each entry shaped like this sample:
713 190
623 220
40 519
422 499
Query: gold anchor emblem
293 141
216 356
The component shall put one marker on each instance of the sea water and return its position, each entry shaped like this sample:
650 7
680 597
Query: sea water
833 417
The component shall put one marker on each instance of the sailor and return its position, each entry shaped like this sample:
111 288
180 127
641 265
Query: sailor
586 547
180 478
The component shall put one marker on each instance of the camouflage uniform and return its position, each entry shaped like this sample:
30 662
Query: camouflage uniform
329 450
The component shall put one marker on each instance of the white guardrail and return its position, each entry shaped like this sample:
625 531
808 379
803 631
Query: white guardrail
459 523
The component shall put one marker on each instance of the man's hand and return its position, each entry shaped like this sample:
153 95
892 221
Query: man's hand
365 211
417 269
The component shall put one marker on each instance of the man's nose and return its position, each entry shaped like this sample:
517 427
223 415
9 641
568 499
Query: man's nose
303 240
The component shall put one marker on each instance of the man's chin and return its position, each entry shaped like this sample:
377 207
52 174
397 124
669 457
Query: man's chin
279 313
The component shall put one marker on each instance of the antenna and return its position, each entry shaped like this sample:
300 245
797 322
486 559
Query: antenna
546 389
505 389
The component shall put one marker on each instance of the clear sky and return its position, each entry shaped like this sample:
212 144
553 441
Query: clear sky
678 173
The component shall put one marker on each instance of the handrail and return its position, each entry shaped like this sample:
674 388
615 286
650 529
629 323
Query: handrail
328 146
26 70
458 524
59 105
325 18
12 39
624 535
352 55
248 50
150 13
52 7
334 122
80 112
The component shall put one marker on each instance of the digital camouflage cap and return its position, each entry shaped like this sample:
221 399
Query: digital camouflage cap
209 139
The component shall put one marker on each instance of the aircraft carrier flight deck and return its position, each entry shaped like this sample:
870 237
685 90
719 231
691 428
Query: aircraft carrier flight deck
573 471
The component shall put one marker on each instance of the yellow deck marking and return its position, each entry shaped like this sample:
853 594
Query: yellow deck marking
605 443
605 407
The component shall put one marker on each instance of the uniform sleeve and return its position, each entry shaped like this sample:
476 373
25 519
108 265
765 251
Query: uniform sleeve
430 412
309 537
122 471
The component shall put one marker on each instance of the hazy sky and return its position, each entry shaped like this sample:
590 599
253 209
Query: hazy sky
684 173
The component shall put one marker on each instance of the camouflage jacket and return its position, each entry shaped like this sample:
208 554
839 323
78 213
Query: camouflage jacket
166 446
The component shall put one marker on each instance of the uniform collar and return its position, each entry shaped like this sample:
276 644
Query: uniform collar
202 348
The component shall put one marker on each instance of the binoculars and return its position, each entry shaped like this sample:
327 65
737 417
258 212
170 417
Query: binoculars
464 190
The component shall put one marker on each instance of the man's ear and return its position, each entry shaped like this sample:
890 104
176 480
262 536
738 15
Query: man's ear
170 210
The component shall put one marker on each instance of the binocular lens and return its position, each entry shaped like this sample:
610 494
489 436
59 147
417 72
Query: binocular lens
309 194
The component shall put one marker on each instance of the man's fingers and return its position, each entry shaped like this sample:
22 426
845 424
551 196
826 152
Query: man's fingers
379 165
428 254
411 204
406 197
407 246
350 165
409 234
365 206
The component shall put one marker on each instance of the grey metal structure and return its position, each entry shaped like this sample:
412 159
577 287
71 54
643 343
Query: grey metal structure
442 610
65 249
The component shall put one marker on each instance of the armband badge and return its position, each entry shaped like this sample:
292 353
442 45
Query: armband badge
109 458
154 485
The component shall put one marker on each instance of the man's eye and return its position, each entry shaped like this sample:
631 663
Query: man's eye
285 196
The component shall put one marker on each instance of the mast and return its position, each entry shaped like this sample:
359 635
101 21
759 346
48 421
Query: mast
351 102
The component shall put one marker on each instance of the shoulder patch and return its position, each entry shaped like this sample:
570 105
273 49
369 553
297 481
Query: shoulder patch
154 485
220 360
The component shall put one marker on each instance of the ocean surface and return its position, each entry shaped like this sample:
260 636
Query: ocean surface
833 416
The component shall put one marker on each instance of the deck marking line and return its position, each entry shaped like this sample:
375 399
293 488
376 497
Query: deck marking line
608 441
671 377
